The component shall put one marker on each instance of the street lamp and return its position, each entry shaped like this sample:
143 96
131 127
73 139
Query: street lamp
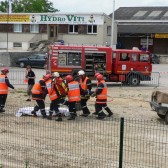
112 26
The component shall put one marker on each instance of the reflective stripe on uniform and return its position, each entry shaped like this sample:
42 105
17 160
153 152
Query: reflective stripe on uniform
35 91
73 98
73 86
2 80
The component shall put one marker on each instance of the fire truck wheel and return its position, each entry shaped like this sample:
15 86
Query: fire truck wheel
134 80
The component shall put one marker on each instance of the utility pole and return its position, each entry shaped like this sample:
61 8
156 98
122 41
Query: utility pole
147 42
112 26
10 6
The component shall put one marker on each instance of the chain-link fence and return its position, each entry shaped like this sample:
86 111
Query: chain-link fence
85 142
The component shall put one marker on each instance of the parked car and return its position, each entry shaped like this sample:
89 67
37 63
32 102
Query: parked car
35 60
155 59
1 65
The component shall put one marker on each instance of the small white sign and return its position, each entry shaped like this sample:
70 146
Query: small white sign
124 67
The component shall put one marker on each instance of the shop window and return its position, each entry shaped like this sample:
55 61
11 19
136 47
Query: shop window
92 29
26 28
63 29
6 28
17 28
34 28
82 29
73 28
43 28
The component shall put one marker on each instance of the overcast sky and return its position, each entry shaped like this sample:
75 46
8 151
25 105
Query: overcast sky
105 6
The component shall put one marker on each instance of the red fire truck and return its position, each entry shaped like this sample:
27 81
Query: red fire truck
120 65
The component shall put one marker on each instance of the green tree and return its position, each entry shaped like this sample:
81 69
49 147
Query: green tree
28 6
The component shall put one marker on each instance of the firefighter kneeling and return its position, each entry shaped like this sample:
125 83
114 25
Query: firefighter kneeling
101 98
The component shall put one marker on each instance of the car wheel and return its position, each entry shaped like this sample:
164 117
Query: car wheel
22 64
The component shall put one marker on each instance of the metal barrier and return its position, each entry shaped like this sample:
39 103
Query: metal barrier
137 80
86 142
16 77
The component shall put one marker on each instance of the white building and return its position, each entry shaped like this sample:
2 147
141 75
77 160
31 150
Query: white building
20 30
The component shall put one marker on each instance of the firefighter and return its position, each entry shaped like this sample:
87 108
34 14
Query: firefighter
101 98
73 95
61 89
52 95
61 86
4 84
38 94
85 90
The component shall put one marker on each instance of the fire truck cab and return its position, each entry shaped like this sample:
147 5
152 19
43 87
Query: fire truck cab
120 65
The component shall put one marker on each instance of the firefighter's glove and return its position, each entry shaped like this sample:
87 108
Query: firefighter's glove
93 94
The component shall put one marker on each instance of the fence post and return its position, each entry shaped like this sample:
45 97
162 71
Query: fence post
121 141
159 80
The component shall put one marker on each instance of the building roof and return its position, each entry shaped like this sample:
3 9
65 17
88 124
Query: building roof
141 13
142 19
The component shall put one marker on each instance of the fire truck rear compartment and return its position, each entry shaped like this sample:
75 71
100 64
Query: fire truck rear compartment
95 62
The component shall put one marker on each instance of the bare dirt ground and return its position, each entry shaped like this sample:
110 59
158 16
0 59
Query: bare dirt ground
86 142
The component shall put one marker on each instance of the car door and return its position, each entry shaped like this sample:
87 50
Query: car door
40 60
33 60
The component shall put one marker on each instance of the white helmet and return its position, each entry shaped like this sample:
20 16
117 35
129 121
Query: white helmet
56 74
81 72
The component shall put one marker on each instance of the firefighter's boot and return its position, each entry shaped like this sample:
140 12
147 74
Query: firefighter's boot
34 113
86 111
110 113
101 115
59 117
50 116
43 113
36 108
72 116
2 109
